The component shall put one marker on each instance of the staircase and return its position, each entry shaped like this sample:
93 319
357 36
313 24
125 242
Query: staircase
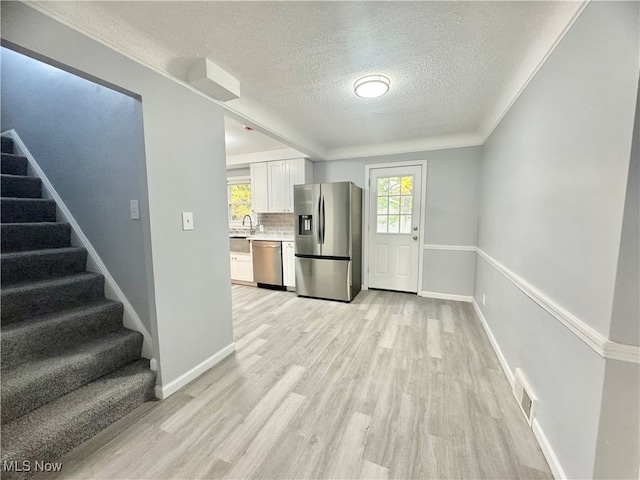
69 367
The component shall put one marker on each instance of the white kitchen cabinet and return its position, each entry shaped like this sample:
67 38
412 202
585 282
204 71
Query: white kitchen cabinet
288 264
272 184
241 267
298 172
259 187
278 186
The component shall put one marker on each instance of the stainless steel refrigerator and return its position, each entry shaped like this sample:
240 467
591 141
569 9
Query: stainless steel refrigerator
328 239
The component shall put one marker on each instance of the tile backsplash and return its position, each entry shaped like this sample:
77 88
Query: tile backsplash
273 224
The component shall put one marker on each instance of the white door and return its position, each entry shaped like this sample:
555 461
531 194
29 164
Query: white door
394 227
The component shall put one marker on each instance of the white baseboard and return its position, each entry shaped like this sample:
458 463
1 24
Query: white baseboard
163 391
447 296
94 262
494 343
549 454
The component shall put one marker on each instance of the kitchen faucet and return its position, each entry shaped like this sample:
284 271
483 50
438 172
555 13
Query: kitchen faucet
250 223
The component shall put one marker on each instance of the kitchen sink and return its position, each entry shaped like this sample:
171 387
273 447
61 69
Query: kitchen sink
239 244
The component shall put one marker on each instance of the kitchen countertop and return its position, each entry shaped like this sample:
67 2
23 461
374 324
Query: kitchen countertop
264 236
275 238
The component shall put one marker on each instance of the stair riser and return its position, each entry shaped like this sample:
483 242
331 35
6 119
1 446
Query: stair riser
43 389
13 165
52 442
20 187
34 236
41 265
18 304
21 345
24 211
7 145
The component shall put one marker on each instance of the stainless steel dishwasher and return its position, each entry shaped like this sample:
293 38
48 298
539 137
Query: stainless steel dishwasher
267 263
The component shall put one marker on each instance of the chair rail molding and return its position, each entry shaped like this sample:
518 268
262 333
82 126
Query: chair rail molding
599 343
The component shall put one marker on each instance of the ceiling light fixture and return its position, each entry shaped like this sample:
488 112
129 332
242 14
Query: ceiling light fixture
371 86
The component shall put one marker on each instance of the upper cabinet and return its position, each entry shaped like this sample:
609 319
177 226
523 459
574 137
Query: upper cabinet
272 184
259 187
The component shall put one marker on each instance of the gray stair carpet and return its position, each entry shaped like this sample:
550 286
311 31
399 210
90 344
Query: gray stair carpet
69 367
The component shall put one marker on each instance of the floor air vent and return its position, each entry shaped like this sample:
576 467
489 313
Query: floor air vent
526 399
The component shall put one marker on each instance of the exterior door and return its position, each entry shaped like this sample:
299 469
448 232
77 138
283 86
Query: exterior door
394 227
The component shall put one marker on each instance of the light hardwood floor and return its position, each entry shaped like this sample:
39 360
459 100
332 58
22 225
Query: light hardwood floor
389 386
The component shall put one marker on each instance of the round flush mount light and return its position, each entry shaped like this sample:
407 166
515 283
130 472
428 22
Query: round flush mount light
371 86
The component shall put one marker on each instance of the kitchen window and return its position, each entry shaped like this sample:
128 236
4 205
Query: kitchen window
239 197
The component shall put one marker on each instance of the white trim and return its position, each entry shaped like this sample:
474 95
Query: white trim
496 348
601 345
547 451
163 391
94 262
545 446
447 296
620 351
423 207
455 248
245 159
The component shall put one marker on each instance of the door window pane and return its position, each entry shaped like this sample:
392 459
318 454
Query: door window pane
382 205
394 223
383 186
405 224
394 204
406 205
394 185
382 224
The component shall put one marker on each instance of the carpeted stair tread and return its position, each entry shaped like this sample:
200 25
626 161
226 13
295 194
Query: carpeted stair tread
16 237
7 144
29 299
40 264
13 164
37 382
23 210
56 428
20 186
38 336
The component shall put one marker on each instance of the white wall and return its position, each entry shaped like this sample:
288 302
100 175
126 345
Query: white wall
452 199
184 142
88 140
554 178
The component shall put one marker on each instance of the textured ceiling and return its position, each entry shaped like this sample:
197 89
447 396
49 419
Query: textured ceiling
455 67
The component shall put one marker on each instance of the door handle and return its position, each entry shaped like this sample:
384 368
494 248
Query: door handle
319 220
415 237
415 229
323 221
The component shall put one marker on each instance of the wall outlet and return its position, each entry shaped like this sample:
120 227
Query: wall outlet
261 228
484 299
187 220
134 210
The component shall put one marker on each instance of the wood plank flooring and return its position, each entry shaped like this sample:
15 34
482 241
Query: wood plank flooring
389 386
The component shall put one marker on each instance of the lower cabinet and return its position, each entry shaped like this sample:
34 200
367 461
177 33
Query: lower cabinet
241 267
288 264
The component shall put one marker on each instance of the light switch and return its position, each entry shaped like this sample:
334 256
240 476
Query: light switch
135 211
187 220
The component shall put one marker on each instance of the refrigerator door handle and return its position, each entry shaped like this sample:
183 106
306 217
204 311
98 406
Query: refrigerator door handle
323 221
319 220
